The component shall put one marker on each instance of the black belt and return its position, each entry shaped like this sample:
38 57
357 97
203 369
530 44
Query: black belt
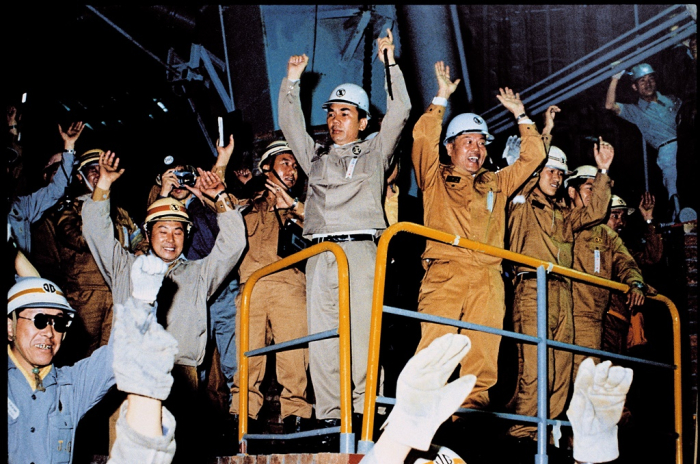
666 143
343 238
533 275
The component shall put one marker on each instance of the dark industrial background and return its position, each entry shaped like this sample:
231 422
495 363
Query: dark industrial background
118 67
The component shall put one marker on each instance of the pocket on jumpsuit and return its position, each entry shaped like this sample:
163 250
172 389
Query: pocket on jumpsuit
436 275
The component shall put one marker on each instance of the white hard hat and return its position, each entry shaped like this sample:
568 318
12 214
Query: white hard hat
349 93
467 122
582 172
557 159
618 203
640 70
273 149
439 455
36 292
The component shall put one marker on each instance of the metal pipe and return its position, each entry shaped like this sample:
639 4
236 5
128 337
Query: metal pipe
576 63
542 381
599 76
460 50
228 65
131 39
601 60
343 332
433 234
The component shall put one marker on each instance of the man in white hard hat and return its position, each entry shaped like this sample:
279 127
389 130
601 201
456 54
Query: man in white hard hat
45 403
189 283
542 225
623 328
465 199
344 205
654 114
599 251
278 303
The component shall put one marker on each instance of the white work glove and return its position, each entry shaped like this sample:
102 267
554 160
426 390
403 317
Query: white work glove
596 408
423 401
619 75
144 353
147 274
512 150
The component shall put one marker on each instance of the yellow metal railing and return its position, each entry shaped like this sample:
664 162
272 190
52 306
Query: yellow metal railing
343 334
378 305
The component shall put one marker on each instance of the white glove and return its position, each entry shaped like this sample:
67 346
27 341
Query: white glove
595 409
618 75
147 274
144 353
423 401
512 150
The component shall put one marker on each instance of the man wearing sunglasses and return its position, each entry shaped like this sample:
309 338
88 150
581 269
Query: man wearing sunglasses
46 403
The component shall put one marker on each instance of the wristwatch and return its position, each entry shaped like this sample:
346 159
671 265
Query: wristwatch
639 285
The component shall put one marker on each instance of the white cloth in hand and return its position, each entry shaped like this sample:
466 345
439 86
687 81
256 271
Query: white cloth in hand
423 401
512 150
595 409
144 353
147 276
619 75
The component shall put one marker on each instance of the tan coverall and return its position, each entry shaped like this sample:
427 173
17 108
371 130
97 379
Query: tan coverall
341 200
86 289
622 330
542 228
462 284
277 309
598 251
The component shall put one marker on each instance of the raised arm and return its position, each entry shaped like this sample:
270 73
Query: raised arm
398 109
597 209
611 96
426 132
231 240
291 117
532 144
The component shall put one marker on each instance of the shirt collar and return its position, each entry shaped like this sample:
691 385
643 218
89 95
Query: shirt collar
43 372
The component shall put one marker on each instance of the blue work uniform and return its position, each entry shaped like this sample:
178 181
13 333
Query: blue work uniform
41 424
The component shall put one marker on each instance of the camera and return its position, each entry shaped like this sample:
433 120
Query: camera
186 177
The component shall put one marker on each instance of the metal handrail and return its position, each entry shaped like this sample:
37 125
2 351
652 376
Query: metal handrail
366 442
346 440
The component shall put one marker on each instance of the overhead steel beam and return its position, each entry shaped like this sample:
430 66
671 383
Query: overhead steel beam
600 68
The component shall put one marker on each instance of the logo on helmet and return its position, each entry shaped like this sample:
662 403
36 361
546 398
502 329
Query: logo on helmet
168 160
340 93
478 120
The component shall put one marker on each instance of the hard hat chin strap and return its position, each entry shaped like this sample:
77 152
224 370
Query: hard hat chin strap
85 179
35 369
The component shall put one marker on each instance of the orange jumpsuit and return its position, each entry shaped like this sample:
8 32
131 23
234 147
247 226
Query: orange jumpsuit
462 284
599 251
543 228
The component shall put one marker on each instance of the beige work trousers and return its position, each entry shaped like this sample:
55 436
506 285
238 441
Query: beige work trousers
457 290
322 308
559 365
277 312
588 324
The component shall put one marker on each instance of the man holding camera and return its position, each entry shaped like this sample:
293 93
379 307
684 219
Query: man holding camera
188 284
178 181
278 302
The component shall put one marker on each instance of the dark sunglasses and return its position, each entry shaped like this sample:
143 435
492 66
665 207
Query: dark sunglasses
41 320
